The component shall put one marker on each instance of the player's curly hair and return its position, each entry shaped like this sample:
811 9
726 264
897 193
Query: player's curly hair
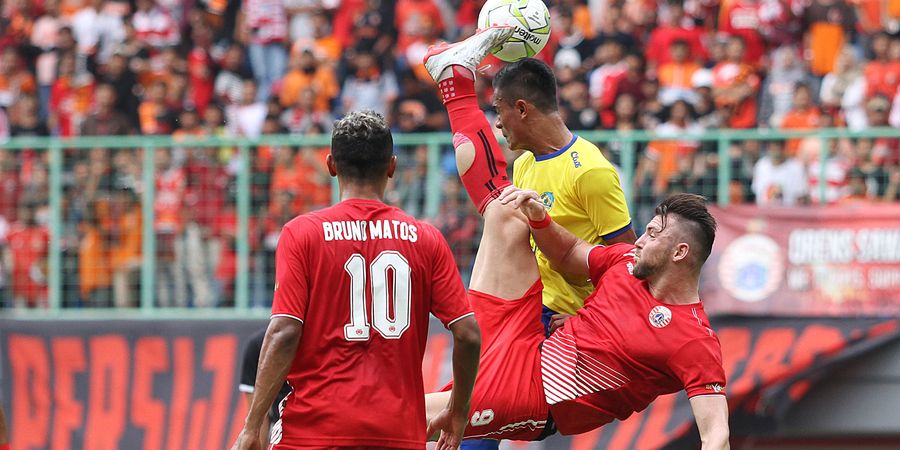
362 146
702 225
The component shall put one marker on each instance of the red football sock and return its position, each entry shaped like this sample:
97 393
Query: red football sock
486 178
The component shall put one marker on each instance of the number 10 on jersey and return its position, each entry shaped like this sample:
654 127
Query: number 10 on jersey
387 262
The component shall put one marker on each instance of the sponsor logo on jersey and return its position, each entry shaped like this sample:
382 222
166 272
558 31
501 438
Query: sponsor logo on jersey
751 267
480 418
660 316
548 199
575 160
715 387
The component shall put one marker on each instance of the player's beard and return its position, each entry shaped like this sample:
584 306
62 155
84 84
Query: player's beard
645 268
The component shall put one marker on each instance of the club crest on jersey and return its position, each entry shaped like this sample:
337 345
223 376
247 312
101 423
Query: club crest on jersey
660 316
548 199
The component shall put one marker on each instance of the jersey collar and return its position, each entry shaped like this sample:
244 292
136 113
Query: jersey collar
558 152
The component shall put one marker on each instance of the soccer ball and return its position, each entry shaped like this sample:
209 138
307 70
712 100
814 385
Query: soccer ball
531 19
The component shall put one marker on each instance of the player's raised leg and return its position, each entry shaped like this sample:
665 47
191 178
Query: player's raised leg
504 265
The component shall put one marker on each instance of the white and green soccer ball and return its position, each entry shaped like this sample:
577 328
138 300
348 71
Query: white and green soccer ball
531 19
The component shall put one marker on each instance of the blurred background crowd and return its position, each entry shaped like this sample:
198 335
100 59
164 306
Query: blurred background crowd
251 67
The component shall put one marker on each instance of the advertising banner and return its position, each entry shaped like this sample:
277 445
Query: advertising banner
836 260
173 384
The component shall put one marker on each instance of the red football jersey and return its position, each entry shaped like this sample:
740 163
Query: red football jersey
362 277
625 348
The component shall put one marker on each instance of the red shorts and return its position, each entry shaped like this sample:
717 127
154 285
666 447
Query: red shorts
508 400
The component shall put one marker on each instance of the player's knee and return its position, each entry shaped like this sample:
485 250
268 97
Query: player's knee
465 153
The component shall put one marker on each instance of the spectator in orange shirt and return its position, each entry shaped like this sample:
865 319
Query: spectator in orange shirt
414 19
735 85
306 72
125 251
14 79
829 25
153 112
675 76
94 270
804 116
883 71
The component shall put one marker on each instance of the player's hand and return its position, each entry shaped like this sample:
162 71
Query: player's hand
247 440
558 320
529 202
452 427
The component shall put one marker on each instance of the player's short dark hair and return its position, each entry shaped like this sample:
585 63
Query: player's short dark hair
362 146
692 209
528 79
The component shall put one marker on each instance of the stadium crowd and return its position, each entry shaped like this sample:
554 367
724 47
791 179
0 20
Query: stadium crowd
252 67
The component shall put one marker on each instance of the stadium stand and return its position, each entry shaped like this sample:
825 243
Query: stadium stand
72 68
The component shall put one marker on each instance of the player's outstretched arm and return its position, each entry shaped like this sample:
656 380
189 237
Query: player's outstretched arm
451 422
278 351
566 253
711 414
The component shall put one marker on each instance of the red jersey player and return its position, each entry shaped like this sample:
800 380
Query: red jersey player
359 279
642 332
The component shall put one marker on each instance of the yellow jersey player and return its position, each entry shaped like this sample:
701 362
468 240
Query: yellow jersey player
577 184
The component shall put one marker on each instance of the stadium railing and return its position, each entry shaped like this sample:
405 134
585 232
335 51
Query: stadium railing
436 146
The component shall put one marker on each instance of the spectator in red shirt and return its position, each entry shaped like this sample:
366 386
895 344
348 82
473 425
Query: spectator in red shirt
883 71
741 18
266 25
70 98
27 247
10 186
602 80
168 209
735 85
671 29
200 68
207 182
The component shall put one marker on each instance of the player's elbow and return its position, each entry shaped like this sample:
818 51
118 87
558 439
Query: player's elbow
467 334
284 331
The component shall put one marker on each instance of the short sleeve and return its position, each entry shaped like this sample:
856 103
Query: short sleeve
449 302
604 201
250 361
698 364
291 277
601 258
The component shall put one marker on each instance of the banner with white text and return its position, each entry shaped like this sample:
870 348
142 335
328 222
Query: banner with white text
836 260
